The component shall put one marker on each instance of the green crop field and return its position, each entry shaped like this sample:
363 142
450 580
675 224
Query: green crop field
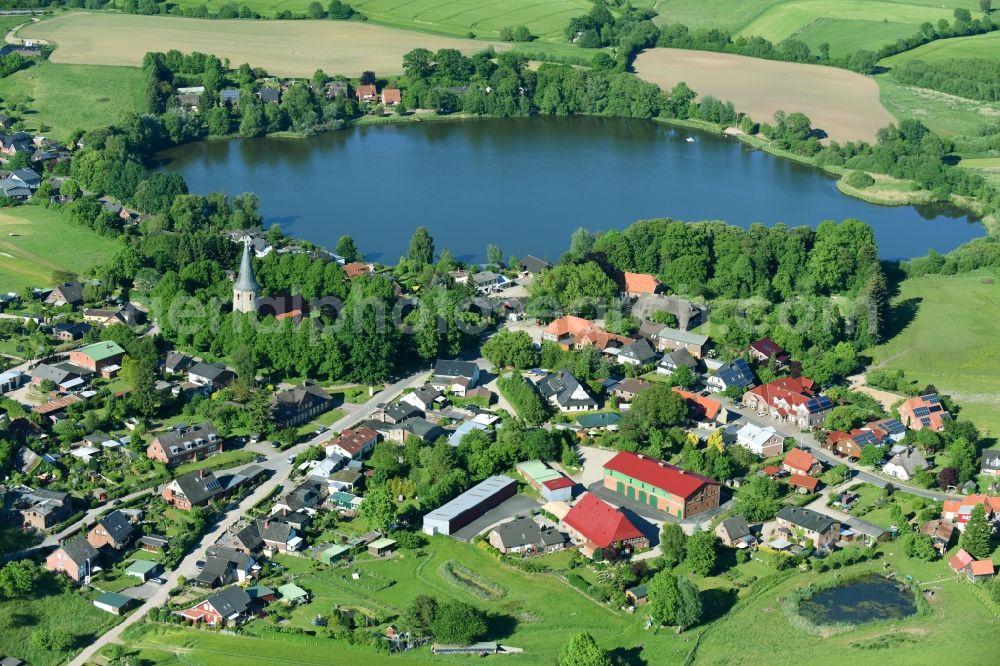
63 98
42 241
846 25
977 46
958 311
453 17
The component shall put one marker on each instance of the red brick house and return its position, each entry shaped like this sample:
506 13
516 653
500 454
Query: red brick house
103 358
230 606
185 444
74 558
191 490
765 349
114 531
597 525
658 484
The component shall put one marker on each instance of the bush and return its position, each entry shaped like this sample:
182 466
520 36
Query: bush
859 180
524 398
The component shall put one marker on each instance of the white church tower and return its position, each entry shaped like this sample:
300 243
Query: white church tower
246 289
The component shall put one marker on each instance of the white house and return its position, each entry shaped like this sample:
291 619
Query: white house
905 464
765 442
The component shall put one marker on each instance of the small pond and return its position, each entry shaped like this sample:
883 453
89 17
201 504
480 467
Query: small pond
860 600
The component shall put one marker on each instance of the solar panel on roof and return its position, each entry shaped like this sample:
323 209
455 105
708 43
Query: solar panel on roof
921 411
893 426
933 399
926 422
825 402
865 438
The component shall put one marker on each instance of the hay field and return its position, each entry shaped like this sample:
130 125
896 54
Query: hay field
545 18
843 104
977 46
283 48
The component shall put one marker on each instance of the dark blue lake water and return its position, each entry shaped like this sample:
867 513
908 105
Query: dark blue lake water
526 184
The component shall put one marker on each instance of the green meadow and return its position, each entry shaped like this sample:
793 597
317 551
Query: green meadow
35 241
977 46
958 313
63 98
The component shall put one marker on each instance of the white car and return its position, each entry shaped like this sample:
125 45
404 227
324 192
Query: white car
289 460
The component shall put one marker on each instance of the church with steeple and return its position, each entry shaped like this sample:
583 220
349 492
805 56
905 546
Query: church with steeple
246 290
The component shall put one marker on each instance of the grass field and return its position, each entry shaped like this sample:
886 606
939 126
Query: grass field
958 311
946 114
846 25
545 18
50 609
283 48
765 634
547 611
844 104
69 97
977 46
45 240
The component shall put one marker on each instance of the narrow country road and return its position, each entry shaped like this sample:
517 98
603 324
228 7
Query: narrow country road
278 465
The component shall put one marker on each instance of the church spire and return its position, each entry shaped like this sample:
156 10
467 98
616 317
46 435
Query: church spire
246 289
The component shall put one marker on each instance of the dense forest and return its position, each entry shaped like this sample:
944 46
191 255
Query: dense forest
973 78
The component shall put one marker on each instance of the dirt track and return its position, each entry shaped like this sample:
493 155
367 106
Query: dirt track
843 104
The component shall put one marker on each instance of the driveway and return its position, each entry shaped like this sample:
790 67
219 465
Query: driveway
142 592
516 505
593 464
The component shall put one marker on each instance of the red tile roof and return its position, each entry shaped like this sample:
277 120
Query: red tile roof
767 348
600 523
803 481
793 390
981 568
960 560
568 325
800 460
392 96
561 482
657 473
709 406
933 414
771 470
641 283
356 268
991 504
354 441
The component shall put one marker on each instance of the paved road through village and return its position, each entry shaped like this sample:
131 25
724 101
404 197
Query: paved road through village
278 466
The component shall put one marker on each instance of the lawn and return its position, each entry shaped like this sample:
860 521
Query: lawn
45 240
949 339
943 113
50 609
220 461
977 46
69 97
762 87
283 48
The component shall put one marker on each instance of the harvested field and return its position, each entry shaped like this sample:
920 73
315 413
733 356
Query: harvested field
283 48
843 104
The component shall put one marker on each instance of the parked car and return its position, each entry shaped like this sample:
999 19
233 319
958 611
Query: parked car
289 460
320 430
158 580
199 565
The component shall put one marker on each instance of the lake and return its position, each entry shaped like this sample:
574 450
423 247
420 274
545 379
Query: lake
860 600
526 184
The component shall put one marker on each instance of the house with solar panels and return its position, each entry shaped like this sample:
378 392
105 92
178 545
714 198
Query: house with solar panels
789 400
732 373
922 412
